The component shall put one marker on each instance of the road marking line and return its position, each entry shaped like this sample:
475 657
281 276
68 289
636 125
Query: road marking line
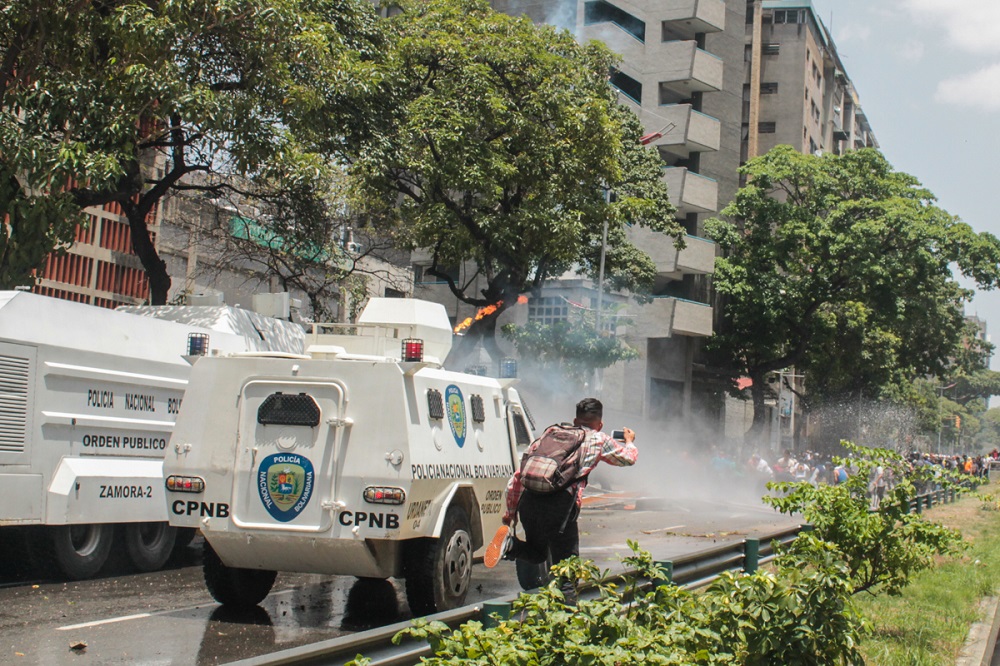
96 623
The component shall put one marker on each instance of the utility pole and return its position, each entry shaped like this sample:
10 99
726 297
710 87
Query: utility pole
644 140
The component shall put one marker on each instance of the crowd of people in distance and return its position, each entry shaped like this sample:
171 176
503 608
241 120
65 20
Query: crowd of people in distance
815 468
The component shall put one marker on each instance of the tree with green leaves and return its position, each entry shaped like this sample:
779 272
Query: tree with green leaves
125 101
505 142
841 267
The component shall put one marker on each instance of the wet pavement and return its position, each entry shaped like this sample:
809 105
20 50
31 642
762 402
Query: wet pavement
168 617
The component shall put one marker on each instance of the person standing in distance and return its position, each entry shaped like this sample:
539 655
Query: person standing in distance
550 520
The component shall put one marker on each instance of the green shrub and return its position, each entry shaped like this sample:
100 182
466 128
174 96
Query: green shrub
800 613
883 548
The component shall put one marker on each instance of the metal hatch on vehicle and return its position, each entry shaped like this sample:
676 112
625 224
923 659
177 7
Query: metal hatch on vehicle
286 461
17 381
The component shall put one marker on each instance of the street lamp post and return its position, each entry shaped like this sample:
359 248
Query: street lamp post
941 390
644 140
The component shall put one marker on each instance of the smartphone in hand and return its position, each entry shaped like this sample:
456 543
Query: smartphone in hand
619 435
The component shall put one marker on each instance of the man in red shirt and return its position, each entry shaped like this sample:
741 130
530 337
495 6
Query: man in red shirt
550 520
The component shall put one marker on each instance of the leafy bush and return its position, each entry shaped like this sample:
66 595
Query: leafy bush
883 548
801 613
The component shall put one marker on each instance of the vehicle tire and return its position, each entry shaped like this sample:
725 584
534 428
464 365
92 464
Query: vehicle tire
79 551
149 545
532 576
371 603
231 586
438 571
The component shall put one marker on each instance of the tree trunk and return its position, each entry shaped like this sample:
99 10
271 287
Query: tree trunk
755 436
482 332
156 268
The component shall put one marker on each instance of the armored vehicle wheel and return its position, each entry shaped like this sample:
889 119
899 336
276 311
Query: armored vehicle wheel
532 576
438 571
233 586
149 545
79 551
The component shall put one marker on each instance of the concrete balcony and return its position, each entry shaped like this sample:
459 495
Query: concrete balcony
693 131
618 38
683 69
666 317
698 256
683 19
691 192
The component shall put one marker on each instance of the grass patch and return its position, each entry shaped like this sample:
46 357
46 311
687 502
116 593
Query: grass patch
929 622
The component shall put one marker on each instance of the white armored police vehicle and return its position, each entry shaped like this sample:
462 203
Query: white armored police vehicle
88 399
362 457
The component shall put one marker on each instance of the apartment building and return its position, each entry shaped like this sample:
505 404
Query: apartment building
796 89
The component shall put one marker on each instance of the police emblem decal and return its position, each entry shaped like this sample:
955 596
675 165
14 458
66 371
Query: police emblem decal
455 405
285 484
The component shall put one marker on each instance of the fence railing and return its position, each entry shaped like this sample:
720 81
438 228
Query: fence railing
691 571
927 500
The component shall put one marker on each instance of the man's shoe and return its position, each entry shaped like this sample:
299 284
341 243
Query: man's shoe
497 547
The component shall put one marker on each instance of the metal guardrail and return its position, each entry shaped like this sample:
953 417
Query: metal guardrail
691 571
927 500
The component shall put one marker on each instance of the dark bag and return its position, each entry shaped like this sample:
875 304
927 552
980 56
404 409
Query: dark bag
552 462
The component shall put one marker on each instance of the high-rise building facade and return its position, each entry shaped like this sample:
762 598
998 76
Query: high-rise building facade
796 90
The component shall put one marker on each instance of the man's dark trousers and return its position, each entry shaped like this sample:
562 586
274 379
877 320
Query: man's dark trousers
550 525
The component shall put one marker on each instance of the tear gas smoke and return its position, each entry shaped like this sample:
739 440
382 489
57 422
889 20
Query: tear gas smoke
677 460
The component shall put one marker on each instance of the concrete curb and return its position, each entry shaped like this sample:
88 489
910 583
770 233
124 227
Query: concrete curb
982 639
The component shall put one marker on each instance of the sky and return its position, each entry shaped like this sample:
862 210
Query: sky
927 73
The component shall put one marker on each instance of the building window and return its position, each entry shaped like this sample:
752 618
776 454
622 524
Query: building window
767 128
548 310
602 12
770 88
771 49
627 85
788 16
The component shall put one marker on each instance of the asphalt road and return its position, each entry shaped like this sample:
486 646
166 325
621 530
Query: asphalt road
168 617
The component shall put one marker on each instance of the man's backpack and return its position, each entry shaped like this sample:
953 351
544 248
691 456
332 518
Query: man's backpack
552 462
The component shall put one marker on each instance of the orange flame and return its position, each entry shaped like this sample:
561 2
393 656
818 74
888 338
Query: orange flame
483 312
522 299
